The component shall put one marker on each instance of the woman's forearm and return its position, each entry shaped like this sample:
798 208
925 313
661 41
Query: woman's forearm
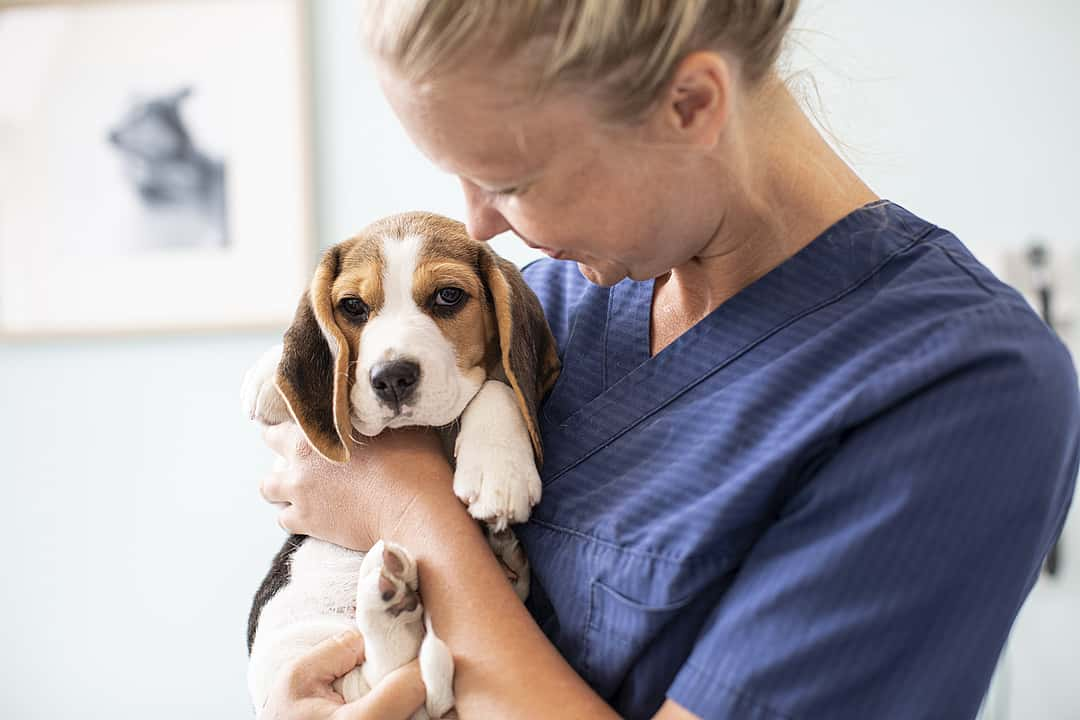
505 667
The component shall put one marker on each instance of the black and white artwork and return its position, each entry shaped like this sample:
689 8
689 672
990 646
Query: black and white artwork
152 149
179 184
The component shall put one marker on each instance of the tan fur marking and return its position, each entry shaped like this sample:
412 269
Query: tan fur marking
360 276
465 327
365 282
450 258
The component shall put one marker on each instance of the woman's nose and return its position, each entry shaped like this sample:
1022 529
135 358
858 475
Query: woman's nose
482 221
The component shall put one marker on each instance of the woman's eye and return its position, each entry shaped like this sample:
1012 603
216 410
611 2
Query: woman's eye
354 308
512 192
450 296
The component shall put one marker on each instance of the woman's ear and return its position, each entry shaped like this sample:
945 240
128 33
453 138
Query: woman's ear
530 360
313 375
696 106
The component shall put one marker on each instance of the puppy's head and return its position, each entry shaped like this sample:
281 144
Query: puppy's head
401 326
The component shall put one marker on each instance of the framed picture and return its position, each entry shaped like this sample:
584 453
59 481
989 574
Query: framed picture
154 165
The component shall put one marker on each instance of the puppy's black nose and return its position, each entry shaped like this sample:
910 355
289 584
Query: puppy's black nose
395 381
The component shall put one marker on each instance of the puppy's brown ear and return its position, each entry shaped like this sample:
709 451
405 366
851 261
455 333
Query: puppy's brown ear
313 375
530 360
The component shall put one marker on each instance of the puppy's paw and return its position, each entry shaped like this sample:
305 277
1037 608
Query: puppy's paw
496 472
499 487
389 582
511 556
259 398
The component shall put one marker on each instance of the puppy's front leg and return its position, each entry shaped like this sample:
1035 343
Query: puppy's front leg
259 397
496 472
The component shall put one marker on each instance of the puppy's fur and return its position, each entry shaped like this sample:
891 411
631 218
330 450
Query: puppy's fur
408 323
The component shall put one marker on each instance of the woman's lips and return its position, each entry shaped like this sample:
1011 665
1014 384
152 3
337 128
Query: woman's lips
555 254
547 251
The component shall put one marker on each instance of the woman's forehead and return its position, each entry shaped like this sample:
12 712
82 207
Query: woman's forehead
472 127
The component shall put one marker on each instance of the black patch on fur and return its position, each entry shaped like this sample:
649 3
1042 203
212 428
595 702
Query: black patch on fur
307 364
531 340
277 578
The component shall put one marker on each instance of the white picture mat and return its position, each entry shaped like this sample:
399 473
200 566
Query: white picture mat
249 107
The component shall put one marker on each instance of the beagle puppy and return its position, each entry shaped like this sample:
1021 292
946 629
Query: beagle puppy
409 323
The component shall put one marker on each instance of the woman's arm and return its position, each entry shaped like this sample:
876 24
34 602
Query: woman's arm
505 667
399 486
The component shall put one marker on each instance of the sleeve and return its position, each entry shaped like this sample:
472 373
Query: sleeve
888 583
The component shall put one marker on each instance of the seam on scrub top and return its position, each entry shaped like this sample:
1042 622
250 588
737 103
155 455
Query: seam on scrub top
951 258
603 341
745 349
585 664
650 554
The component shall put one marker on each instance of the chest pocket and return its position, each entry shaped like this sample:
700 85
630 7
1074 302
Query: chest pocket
624 637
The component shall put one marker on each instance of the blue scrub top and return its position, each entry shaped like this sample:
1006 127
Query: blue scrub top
827 499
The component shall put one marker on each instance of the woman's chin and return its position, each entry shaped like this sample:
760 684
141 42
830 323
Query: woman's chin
603 276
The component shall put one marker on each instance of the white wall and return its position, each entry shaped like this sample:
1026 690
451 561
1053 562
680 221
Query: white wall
135 532
965 110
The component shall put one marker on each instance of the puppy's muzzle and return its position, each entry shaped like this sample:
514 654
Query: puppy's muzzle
395 382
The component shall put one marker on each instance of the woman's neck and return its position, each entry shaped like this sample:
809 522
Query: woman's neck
784 187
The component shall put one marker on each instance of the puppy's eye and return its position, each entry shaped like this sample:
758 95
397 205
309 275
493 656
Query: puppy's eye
354 308
449 296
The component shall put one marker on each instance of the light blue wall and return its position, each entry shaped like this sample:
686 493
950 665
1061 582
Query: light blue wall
136 535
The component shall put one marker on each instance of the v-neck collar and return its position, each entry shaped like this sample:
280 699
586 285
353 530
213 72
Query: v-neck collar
610 383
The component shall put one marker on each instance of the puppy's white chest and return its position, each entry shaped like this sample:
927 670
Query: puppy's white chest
322 581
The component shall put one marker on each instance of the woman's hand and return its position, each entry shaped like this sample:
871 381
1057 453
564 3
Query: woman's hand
302 690
354 504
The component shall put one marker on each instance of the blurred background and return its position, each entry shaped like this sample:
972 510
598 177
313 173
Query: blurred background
168 173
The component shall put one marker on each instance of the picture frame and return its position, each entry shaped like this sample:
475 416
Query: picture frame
155 165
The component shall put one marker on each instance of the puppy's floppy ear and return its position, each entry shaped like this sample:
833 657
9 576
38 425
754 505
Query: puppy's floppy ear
530 360
313 375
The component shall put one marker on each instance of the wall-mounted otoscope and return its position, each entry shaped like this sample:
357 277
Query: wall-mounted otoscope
1038 257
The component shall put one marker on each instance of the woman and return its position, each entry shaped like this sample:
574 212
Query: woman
806 454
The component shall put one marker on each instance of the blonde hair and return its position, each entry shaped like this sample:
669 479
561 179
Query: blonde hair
624 50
